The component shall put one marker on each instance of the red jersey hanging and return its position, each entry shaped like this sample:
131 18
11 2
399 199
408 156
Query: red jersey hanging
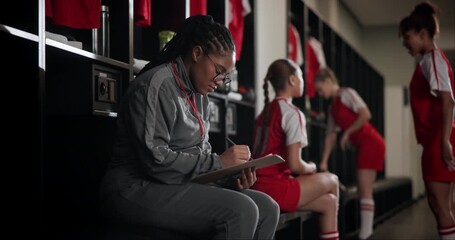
235 12
315 60
198 7
294 45
83 14
143 13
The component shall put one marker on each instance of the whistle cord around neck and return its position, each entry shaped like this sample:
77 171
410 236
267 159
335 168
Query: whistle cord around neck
192 101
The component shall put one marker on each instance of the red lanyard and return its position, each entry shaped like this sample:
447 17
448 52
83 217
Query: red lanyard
191 102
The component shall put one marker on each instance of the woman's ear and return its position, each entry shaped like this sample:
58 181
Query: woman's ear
292 79
423 33
196 53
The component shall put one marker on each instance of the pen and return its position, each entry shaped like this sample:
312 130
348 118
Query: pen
233 143
230 141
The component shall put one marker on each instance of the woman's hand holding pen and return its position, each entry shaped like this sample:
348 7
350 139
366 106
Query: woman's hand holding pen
238 154
235 155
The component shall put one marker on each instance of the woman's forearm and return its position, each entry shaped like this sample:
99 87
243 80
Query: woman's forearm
363 116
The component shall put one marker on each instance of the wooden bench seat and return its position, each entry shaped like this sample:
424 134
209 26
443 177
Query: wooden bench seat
291 225
287 217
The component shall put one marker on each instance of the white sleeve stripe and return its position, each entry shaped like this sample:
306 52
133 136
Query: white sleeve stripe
295 132
298 113
351 99
435 70
351 95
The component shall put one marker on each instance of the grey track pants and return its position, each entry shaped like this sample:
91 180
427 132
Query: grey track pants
195 209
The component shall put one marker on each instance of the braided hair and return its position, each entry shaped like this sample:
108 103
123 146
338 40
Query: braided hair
196 30
424 16
277 74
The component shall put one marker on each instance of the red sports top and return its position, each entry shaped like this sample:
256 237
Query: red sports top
344 111
285 127
369 143
432 74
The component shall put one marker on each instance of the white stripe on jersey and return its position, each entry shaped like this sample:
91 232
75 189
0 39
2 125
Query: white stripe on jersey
293 123
436 72
351 99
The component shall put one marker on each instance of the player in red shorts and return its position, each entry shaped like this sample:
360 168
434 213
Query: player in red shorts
349 113
280 129
432 103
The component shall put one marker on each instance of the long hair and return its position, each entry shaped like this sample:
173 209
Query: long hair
199 30
277 74
424 16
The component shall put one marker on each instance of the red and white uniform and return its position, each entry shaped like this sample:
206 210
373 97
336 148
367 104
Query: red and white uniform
369 143
295 52
433 74
285 126
314 60
236 10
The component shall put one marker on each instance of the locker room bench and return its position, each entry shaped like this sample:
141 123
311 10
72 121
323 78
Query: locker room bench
390 194
286 218
291 225
290 222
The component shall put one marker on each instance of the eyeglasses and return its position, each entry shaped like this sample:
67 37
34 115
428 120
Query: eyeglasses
220 76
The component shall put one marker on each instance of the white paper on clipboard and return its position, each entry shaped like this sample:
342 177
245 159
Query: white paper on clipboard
258 163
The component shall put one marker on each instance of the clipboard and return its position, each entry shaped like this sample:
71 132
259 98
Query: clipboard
258 163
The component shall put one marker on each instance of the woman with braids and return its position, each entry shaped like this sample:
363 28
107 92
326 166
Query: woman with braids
432 103
280 129
349 115
162 143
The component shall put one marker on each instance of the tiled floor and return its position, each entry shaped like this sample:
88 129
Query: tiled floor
416 222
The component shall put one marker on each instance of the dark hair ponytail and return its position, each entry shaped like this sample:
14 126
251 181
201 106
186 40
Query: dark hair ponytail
424 16
196 30
277 74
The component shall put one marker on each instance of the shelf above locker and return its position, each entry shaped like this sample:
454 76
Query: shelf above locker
18 33
90 55
226 97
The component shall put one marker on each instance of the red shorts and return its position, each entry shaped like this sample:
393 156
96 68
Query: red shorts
433 166
371 151
286 192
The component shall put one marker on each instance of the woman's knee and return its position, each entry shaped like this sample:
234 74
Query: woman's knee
244 207
271 209
266 205
331 180
270 203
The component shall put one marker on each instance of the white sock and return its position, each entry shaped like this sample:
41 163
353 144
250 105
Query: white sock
447 233
366 217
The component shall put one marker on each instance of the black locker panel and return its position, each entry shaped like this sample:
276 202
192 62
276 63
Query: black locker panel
22 128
